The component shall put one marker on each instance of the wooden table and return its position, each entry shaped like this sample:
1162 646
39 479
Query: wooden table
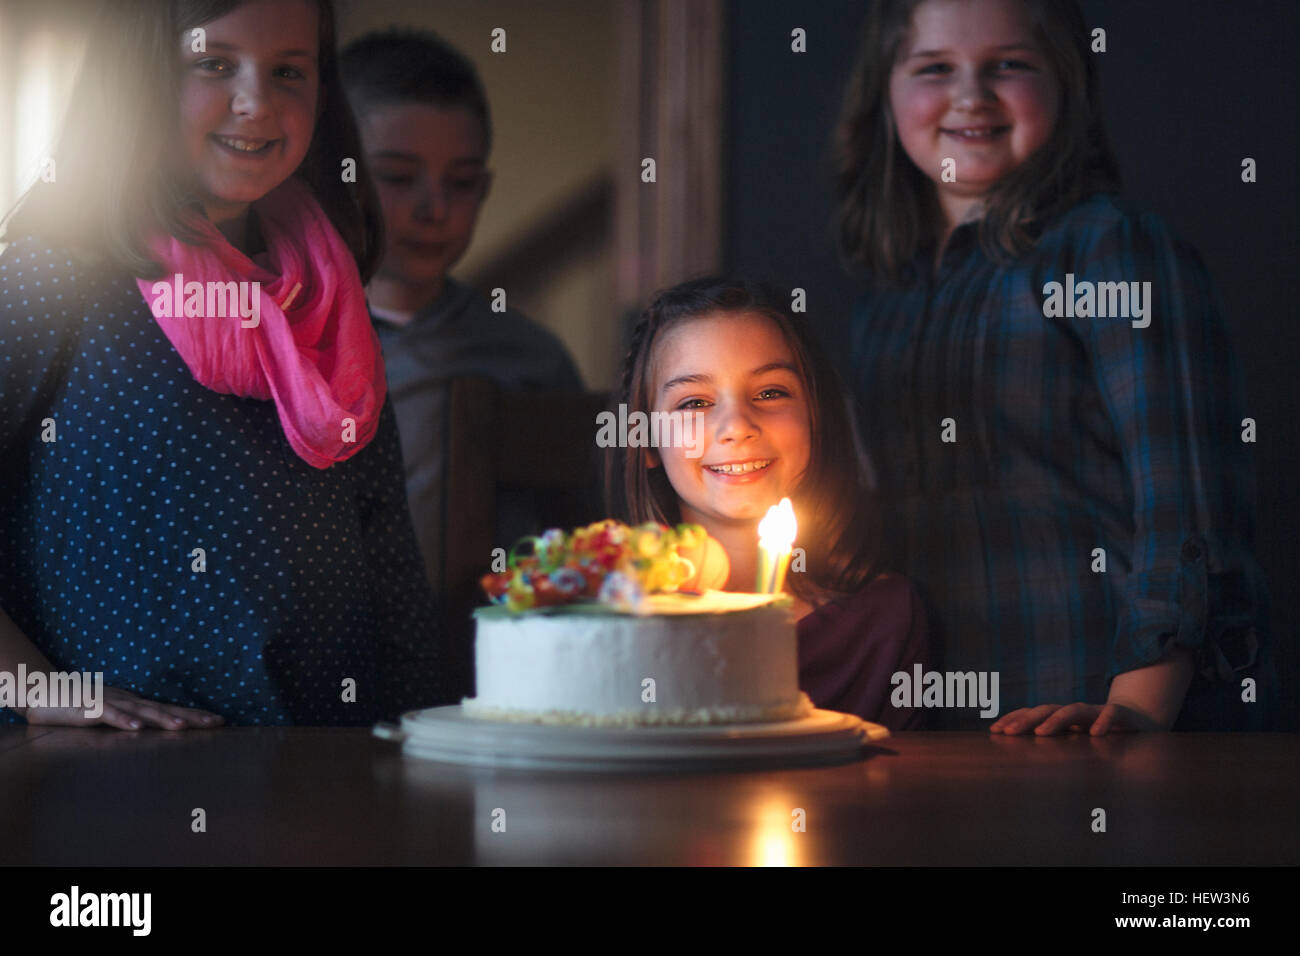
92 797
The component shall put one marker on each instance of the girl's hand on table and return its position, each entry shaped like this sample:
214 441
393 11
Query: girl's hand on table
126 711
1095 719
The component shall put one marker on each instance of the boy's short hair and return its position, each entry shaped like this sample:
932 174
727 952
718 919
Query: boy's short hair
412 66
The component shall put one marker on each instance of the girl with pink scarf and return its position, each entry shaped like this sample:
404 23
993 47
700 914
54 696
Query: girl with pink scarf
201 491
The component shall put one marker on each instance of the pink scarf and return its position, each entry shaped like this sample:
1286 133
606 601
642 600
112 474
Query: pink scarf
302 337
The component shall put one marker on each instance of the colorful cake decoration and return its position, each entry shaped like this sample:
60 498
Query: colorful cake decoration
607 562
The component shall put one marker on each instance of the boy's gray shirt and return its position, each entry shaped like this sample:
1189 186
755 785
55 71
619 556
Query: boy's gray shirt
457 336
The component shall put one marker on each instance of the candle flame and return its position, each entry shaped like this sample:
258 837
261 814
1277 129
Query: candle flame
778 528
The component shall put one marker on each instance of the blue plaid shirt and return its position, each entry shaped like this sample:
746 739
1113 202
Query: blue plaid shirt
1071 434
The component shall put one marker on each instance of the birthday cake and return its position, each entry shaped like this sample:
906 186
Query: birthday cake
608 626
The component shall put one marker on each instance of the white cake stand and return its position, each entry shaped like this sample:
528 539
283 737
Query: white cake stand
445 734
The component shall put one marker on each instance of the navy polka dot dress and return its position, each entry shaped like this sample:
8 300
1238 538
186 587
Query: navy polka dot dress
168 536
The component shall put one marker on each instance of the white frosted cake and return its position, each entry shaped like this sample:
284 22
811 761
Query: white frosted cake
714 658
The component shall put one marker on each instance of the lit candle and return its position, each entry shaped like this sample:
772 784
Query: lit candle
775 536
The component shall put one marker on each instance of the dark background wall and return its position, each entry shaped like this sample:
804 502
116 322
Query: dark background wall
1191 88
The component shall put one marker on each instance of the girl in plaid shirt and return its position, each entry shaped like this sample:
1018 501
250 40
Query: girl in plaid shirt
1049 396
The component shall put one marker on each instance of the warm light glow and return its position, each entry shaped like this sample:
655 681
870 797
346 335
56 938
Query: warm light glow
773 840
774 849
775 536
777 530
35 111
34 88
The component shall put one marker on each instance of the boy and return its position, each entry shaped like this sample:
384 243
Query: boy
426 131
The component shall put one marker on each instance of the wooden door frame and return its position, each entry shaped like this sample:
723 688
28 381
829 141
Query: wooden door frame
670 107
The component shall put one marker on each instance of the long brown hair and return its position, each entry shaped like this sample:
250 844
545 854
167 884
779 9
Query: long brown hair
839 525
113 182
887 209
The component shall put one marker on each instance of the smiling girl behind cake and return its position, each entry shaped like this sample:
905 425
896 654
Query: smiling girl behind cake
208 508
773 424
